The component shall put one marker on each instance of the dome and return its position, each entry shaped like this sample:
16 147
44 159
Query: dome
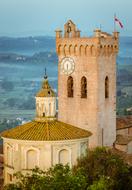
46 131
46 90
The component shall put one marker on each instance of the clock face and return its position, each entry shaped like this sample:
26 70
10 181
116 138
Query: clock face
67 65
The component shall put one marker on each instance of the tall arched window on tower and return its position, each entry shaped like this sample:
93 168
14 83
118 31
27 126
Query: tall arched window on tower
83 87
106 87
70 87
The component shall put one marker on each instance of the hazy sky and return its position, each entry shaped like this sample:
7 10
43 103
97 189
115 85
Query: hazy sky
42 17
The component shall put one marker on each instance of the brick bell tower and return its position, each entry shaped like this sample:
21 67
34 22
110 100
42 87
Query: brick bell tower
87 82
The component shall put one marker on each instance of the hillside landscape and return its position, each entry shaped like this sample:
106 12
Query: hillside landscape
22 64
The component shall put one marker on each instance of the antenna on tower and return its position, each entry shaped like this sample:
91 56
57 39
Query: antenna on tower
45 76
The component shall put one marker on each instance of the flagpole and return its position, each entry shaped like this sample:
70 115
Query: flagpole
114 23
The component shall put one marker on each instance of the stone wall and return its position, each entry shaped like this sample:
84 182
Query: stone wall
45 106
22 155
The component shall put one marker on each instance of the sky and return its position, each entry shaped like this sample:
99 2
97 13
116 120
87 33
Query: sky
42 17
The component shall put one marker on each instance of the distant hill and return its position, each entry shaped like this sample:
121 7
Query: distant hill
124 60
8 44
22 64
42 48
45 42
39 57
126 41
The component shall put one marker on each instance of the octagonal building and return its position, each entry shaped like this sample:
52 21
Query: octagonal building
43 142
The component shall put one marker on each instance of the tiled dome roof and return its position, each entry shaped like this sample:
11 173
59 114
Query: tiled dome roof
46 131
46 90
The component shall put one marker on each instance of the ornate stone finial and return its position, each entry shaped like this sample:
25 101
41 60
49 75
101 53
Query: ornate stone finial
45 76
116 35
58 33
97 33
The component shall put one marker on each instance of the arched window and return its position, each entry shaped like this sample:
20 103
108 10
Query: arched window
64 157
70 87
9 156
106 87
31 159
83 87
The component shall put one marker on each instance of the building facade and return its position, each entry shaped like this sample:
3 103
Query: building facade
87 82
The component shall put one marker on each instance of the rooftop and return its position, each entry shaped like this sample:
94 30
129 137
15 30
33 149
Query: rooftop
124 122
123 140
46 90
126 157
46 131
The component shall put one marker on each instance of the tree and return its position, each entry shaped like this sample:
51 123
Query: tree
103 162
103 183
56 178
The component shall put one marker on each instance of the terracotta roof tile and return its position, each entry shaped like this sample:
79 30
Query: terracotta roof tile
46 131
124 122
123 140
46 90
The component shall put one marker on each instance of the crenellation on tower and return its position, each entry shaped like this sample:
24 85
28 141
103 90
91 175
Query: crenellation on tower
100 44
92 49
58 33
97 33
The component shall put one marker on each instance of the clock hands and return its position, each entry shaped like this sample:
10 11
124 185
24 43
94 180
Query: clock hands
67 65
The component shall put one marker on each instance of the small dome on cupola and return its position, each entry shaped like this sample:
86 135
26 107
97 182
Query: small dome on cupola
46 90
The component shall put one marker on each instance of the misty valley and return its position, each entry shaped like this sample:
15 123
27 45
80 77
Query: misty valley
22 65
